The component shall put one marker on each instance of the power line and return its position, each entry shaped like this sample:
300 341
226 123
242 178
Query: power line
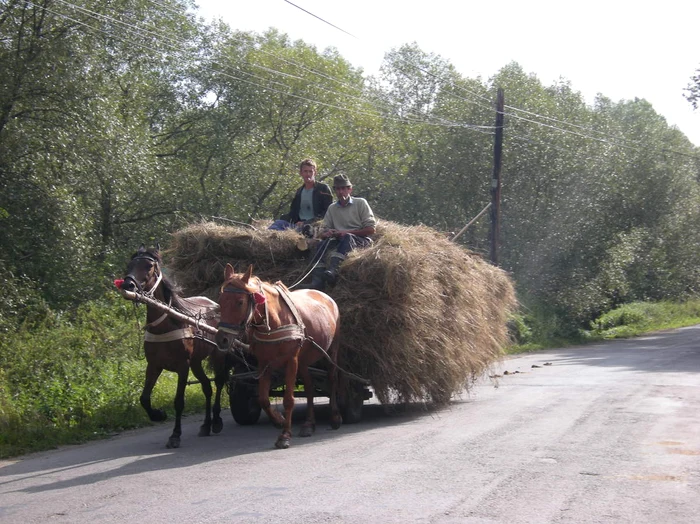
608 139
321 19
140 32
614 141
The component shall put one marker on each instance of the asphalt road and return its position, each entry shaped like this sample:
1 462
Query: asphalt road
604 433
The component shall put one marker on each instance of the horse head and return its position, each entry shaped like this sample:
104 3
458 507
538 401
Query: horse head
239 298
143 273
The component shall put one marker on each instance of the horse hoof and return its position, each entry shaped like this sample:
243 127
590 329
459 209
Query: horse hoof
204 431
282 443
307 430
173 443
158 415
336 421
217 426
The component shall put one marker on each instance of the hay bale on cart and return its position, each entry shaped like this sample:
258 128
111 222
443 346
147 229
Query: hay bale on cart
421 317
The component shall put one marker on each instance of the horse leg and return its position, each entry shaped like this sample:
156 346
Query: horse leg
198 372
309 426
290 382
220 381
264 398
183 372
152 374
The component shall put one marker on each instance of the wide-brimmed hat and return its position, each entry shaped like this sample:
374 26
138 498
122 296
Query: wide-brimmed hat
341 181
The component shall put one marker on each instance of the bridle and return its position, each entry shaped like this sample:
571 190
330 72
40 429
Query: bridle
152 290
237 330
132 278
263 333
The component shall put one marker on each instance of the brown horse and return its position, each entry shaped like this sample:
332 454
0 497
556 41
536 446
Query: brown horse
171 345
284 330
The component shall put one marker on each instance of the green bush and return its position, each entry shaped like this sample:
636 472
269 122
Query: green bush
641 317
540 326
519 330
76 376
626 315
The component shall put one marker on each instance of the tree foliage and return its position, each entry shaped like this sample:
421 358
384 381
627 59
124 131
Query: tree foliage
122 121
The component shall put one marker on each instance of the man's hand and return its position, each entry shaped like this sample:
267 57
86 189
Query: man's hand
340 233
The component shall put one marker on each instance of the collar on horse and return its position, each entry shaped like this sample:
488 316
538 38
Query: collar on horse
262 333
160 318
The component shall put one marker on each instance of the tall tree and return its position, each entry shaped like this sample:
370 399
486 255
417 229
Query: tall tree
82 85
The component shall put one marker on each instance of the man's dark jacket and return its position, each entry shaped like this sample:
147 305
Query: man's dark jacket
322 198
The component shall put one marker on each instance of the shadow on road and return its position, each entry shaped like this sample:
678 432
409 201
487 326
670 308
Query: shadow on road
138 451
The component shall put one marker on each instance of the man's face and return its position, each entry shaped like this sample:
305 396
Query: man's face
343 194
308 173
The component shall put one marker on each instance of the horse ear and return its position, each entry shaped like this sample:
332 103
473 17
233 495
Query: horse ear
142 249
248 274
228 272
157 247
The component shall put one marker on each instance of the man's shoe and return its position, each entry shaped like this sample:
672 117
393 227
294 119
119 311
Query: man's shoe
331 276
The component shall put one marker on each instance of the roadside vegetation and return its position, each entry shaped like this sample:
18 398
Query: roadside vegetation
533 331
70 378
122 122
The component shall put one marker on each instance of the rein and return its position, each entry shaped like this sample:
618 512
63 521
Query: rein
315 261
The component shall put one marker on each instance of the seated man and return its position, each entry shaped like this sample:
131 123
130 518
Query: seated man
350 222
310 201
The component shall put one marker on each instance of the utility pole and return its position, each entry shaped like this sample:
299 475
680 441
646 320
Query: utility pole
496 180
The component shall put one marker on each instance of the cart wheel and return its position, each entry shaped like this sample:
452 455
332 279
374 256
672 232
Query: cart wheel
351 405
244 405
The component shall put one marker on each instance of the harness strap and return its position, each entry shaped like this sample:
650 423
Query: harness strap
281 334
151 292
170 336
289 332
288 300
161 318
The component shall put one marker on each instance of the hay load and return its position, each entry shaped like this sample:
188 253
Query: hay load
421 317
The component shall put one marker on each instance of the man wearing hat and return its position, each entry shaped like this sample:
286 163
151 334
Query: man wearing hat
349 221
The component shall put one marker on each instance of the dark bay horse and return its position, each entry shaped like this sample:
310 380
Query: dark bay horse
287 330
170 344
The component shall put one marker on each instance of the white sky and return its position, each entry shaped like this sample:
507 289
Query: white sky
623 49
